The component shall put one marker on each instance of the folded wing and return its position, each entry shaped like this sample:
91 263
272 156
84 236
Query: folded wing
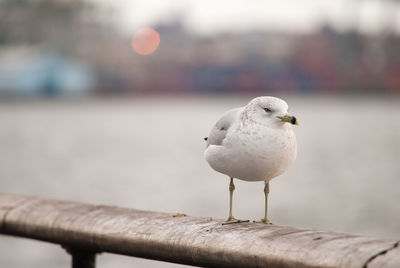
219 131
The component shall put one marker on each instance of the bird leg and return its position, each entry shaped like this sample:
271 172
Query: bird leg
232 219
266 192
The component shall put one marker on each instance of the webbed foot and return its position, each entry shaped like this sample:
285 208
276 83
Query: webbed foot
265 221
232 220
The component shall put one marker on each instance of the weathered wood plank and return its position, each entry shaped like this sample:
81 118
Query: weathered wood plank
186 240
388 257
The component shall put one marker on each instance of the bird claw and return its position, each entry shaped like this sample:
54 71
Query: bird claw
232 220
265 221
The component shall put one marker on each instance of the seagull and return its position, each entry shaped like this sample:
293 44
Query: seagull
253 143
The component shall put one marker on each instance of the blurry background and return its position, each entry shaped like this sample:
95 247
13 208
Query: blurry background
108 103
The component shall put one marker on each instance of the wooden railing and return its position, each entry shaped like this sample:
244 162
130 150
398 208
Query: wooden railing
85 230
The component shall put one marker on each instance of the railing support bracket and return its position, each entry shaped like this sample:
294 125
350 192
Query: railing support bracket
81 258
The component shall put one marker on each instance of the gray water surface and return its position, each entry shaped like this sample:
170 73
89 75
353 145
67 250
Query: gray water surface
147 153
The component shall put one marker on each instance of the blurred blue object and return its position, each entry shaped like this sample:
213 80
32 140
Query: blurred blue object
29 71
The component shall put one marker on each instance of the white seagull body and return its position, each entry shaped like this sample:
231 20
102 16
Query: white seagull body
254 142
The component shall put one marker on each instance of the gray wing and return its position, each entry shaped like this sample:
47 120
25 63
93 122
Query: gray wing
219 131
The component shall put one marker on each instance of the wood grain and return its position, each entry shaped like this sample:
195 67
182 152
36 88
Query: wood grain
187 240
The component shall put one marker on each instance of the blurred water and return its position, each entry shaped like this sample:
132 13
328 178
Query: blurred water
147 153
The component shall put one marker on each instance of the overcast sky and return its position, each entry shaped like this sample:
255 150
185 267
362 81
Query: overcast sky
211 16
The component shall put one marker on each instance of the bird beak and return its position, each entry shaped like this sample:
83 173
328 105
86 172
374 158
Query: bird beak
289 119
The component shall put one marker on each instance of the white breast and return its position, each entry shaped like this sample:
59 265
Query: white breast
254 154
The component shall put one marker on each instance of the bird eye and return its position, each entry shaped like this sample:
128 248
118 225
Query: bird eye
268 110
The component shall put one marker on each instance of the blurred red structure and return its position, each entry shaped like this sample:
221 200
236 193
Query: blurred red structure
325 61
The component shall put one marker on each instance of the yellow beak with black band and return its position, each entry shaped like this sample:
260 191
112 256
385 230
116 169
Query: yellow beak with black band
289 119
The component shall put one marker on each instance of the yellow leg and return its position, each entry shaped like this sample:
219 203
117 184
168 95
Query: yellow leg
232 219
266 192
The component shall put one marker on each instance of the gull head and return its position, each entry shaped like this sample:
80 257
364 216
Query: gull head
269 111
